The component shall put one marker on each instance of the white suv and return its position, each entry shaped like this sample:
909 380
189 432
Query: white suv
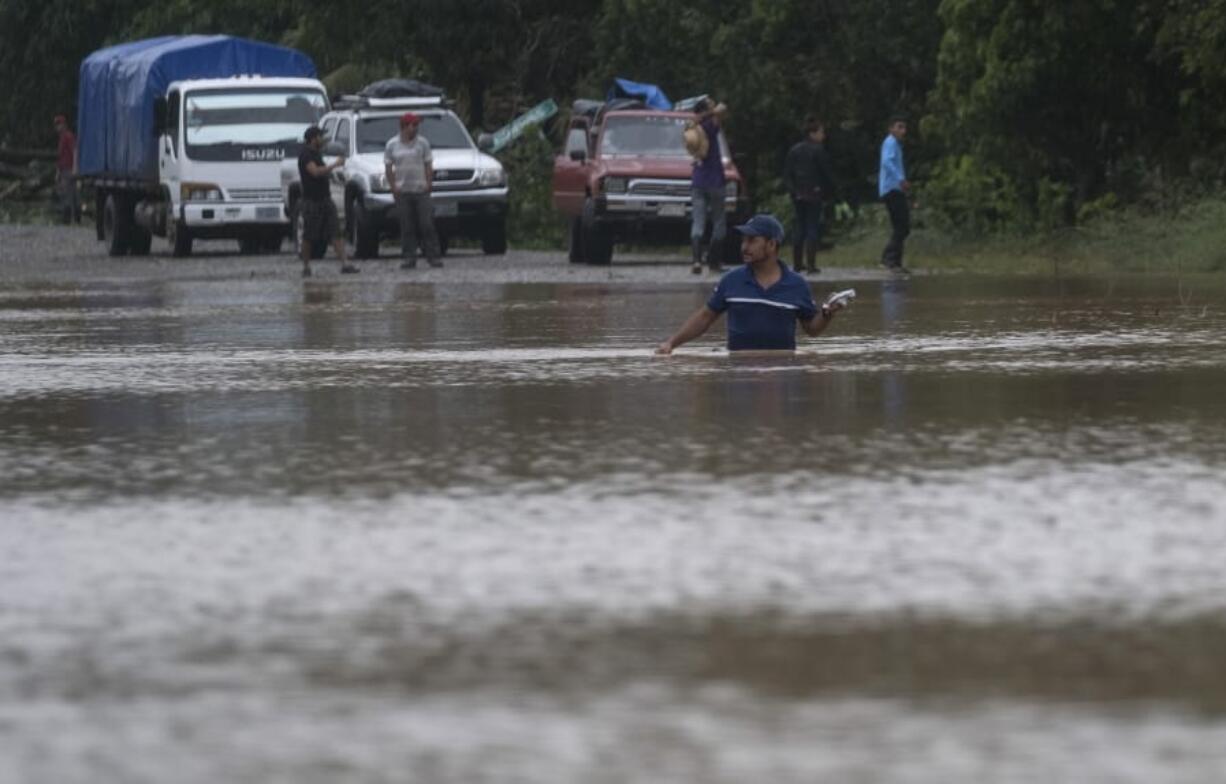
470 187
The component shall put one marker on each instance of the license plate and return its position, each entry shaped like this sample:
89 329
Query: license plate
672 210
267 213
445 209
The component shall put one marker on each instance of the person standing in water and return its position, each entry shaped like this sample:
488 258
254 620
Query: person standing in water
764 299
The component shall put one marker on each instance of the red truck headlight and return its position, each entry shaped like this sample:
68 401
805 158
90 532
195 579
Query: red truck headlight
615 185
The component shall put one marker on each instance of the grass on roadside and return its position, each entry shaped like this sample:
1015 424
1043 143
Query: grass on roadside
1191 239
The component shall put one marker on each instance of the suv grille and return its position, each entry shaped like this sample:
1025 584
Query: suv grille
255 194
660 188
453 175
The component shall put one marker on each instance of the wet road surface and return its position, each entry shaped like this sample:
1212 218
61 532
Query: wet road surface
459 525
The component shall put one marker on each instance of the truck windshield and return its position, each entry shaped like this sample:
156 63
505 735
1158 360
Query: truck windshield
643 136
249 124
443 131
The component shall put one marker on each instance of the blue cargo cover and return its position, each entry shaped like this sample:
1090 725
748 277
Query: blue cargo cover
647 93
119 84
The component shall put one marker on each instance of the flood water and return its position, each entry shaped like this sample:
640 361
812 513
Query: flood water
457 531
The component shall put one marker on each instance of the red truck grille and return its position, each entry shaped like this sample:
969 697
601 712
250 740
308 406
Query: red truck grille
660 188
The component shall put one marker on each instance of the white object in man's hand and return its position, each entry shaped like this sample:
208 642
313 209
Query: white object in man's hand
840 299
837 301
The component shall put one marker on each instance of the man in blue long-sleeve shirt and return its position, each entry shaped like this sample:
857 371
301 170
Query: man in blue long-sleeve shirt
892 187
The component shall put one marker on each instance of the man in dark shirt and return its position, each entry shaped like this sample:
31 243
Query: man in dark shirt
320 223
66 171
763 298
707 189
806 172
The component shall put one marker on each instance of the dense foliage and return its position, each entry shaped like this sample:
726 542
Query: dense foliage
1030 114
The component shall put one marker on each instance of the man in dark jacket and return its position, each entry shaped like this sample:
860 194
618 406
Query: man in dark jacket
806 172
320 222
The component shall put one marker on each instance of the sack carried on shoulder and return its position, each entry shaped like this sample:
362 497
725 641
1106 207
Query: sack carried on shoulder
696 142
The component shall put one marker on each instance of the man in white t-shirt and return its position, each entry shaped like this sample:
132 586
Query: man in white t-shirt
410 174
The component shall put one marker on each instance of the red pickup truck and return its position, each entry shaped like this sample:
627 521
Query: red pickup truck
624 176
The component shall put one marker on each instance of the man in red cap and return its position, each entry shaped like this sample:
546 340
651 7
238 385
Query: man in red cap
410 174
66 171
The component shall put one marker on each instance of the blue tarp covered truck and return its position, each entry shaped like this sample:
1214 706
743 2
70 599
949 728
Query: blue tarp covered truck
182 137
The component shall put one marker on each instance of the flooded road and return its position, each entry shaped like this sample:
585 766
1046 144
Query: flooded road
460 525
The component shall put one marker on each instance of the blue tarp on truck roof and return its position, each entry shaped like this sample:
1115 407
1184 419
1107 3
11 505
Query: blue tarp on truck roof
118 85
647 93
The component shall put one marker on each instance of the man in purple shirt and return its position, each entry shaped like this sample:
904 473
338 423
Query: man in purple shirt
707 189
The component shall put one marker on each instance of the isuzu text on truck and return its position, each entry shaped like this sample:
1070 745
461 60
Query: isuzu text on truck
183 136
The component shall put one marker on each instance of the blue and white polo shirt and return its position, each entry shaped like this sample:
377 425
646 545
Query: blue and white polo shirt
761 318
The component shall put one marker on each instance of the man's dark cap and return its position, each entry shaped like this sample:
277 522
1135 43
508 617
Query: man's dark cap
763 225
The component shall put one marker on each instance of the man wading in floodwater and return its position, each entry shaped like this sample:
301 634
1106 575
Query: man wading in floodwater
764 298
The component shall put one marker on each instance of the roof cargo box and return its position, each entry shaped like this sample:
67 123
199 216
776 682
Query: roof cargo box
400 88
118 87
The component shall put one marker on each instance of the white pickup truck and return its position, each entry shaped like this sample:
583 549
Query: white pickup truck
470 187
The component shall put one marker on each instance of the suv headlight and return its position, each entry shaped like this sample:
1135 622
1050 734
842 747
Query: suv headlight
491 178
199 191
379 183
615 185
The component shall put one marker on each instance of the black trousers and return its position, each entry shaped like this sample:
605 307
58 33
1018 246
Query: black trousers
900 224
808 229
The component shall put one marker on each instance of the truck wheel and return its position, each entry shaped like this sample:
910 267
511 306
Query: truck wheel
272 241
574 247
597 242
141 241
494 237
365 233
100 214
117 224
295 225
250 246
349 227
177 235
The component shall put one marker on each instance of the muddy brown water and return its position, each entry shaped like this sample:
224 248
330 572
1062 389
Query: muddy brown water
464 527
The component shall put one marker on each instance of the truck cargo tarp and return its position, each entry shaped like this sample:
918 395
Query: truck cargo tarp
400 88
647 93
118 86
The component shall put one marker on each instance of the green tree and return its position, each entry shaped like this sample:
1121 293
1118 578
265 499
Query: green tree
1050 92
41 48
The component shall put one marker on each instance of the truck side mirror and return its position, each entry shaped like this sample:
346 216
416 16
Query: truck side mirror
334 149
159 116
485 142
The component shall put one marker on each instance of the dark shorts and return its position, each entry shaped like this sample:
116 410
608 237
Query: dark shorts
320 222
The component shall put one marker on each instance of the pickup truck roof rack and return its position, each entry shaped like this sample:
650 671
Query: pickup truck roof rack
594 110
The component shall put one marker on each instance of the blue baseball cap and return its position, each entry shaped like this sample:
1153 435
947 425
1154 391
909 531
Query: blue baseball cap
763 225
